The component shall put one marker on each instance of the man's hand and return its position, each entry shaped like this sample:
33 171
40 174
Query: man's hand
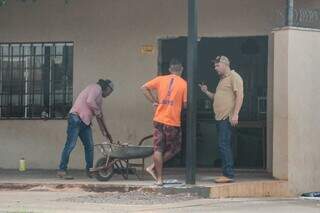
234 120
149 95
99 116
203 87
155 104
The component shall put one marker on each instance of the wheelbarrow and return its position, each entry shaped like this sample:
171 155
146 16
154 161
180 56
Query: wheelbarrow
116 156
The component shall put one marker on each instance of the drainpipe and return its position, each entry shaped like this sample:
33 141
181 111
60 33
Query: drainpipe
289 13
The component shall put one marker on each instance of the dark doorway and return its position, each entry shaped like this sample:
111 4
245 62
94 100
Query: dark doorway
248 57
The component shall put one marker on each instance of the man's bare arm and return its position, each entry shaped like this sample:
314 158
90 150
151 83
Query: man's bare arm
210 95
205 90
239 102
185 105
149 95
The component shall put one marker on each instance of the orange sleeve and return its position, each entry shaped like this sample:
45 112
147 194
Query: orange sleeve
153 84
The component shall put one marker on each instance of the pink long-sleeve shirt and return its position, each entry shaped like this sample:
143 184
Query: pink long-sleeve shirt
88 103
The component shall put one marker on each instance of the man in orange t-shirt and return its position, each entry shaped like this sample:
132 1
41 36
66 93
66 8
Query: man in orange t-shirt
171 98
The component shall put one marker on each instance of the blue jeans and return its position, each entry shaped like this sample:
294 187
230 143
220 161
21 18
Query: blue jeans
225 149
77 128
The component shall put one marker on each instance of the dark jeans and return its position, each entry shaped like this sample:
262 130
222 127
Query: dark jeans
77 128
225 149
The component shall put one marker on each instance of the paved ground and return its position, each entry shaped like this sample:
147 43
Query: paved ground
46 194
259 184
37 201
204 177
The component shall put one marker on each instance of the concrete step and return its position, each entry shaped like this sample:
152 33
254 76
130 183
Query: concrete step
268 188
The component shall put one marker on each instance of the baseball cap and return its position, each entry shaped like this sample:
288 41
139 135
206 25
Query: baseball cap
222 59
106 83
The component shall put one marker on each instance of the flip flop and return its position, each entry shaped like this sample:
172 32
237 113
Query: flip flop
158 184
63 175
68 177
172 181
224 180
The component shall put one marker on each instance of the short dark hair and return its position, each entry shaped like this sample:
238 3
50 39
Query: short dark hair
175 64
175 61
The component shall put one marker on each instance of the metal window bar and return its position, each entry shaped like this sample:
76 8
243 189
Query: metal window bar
29 95
53 82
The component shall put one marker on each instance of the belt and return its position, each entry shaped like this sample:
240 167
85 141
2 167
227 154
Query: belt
74 113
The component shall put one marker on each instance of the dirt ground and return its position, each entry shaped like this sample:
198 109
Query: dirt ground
50 201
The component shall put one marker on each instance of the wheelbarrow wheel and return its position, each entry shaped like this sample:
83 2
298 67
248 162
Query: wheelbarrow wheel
104 174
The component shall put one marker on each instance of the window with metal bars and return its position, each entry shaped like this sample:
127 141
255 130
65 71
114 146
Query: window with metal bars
35 80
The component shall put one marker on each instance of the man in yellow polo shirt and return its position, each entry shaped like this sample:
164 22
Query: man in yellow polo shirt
227 102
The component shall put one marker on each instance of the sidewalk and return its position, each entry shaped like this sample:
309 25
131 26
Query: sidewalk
248 183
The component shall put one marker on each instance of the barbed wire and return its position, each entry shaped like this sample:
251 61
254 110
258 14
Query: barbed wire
302 17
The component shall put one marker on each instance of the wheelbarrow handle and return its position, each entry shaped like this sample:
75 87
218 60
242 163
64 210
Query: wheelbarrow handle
109 139
144 139
105 130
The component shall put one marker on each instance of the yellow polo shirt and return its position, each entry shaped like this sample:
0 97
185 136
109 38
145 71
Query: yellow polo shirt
224 98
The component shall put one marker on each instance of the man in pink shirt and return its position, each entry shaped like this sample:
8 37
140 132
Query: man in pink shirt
87 105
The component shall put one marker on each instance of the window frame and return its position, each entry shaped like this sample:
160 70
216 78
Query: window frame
22 57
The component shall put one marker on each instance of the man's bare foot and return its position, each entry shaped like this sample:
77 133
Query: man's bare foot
64 175
159 183
223 179
151 172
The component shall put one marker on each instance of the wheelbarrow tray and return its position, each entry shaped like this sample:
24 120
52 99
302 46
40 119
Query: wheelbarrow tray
128 152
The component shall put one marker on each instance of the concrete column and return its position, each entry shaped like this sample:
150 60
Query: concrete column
280 104
270 103
296 99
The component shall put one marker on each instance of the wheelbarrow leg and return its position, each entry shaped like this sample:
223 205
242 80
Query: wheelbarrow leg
127 168
143 168
140 174
123 169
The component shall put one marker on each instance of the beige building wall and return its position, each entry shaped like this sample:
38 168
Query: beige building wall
296 99
303 101
107 36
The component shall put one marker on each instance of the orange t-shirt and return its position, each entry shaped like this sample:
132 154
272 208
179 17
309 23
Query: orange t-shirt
172 93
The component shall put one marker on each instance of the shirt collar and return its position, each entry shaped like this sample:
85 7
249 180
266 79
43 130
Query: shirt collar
228 73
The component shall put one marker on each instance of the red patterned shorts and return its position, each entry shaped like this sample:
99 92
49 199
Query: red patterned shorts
166 138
